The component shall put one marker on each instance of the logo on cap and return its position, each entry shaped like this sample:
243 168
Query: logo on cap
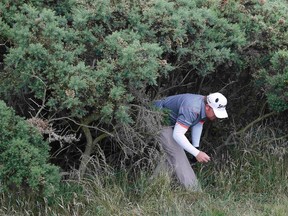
221 106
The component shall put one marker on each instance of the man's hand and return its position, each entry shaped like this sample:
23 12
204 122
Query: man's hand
202 157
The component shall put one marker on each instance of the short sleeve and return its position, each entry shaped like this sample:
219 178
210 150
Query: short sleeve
186 116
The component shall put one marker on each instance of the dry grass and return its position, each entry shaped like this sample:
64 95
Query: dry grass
249 178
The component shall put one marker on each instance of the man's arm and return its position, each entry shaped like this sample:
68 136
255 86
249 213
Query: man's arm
196 134
179 136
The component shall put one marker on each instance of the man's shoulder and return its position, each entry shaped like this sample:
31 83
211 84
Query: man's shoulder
192 98
193 102
186 100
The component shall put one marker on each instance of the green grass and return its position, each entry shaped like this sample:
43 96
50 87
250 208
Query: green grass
110 196
249 178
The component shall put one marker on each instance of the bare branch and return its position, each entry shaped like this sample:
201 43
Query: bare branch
44 127
240 132
81 125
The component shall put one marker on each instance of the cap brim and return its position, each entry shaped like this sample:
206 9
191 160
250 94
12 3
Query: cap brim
220 113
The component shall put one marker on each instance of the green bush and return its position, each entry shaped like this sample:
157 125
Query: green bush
274 80
24 157
50 55
89 61
264 56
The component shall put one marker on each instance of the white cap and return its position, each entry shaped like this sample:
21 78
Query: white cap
218 103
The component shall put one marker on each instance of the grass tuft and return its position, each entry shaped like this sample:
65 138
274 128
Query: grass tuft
248 178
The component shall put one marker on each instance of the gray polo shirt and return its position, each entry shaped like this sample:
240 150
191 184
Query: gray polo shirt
186 109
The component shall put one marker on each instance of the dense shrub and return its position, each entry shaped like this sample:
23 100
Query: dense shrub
92 62
274 80
24 157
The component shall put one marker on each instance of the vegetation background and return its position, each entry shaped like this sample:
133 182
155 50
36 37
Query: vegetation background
77 133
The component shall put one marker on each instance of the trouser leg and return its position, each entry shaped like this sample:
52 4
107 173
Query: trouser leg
177 158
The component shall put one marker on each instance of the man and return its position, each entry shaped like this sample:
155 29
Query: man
187 111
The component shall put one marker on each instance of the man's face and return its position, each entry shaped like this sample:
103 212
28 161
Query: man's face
209 113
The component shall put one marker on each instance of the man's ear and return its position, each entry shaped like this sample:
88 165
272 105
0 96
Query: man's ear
207 107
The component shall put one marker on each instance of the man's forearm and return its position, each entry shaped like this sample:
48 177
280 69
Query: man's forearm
196 134
179 136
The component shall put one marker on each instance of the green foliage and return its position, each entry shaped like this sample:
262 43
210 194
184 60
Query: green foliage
9 8
193 33
96 49
24 156
265 55
274 80
50 56
90 60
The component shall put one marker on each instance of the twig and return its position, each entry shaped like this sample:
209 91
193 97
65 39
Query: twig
227 142
180 84
260 118
249 45
81 125
42 106
230 83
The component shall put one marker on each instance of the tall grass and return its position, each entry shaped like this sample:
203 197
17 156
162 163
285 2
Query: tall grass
247 177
